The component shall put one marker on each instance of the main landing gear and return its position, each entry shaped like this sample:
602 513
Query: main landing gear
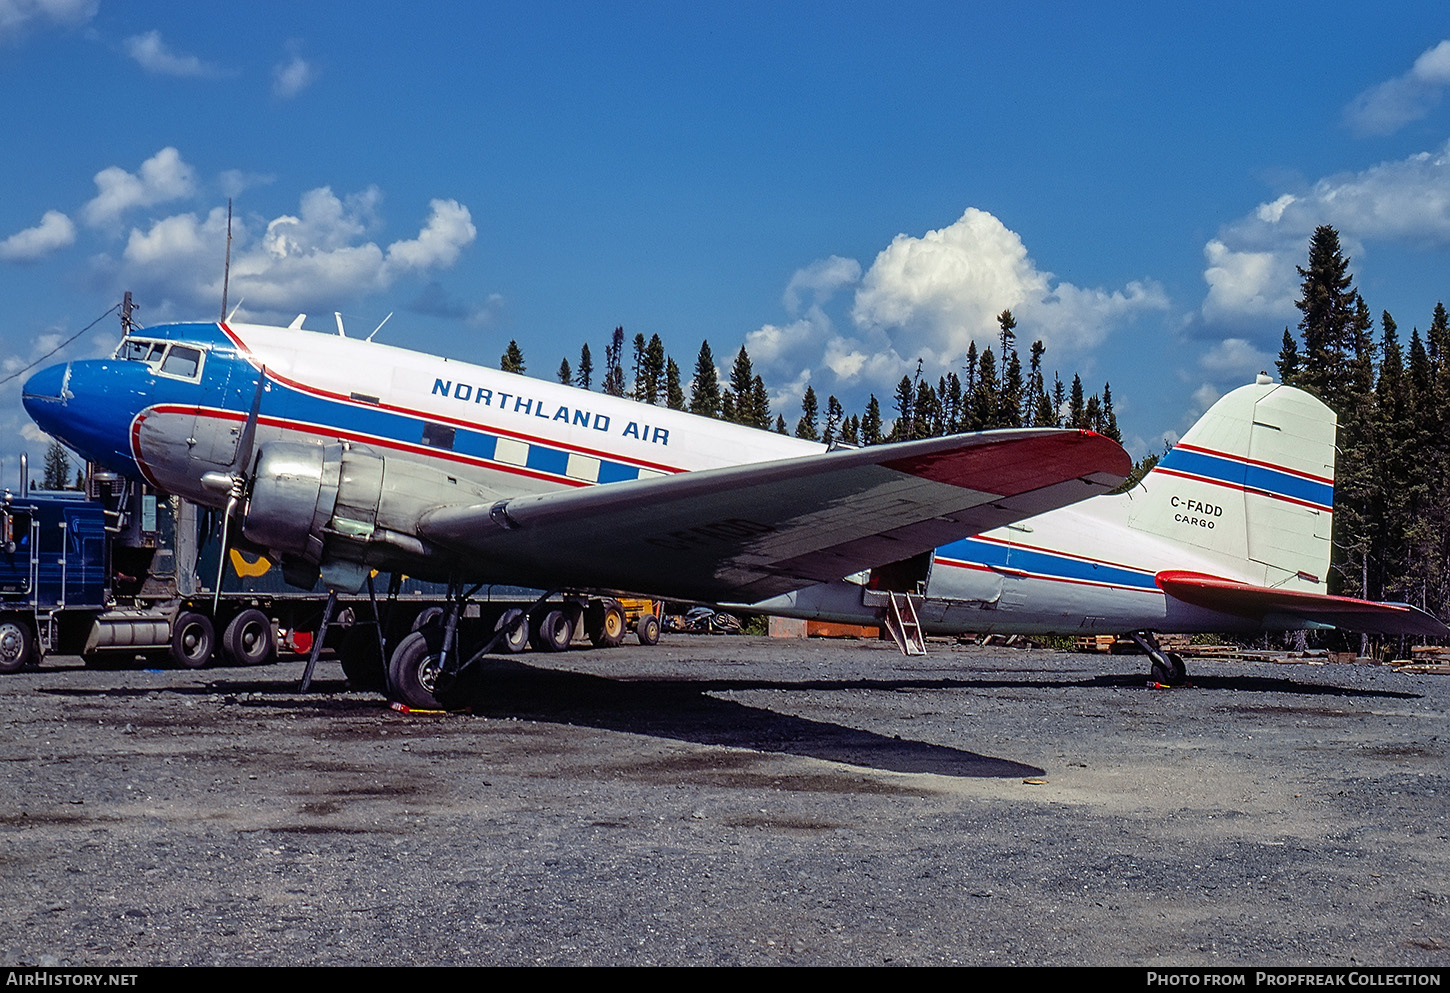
1166 667
425 671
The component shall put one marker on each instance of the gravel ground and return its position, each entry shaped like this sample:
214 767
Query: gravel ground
717 801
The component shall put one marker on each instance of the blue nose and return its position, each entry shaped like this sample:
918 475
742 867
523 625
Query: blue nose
47 385
76 403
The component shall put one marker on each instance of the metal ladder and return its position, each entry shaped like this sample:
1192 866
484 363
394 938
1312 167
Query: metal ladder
903 624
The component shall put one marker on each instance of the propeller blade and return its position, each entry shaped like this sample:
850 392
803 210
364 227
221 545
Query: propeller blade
243 461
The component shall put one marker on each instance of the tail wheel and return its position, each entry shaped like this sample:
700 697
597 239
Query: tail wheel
518 635
604 623
192 640
647 629
1170 671
17 645
250 639
553 632
413 671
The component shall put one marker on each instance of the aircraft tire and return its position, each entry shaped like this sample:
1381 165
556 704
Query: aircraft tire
554 631
250 639
1169 670
17 645
192 640
362 663
518 638
647 629
604 623
413 671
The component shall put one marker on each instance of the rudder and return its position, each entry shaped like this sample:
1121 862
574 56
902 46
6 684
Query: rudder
1252 485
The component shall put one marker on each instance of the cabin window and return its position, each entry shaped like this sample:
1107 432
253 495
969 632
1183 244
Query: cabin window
438 435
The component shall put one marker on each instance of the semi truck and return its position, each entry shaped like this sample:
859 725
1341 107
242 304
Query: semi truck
116 571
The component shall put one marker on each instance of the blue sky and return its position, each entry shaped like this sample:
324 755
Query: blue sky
843 188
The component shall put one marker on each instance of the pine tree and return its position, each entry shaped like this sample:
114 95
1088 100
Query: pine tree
640 390
904 400
760 405
57 467
806 427
1076 407
654 369
1008 337
512 360
586 368
613 371
871 423
705 388
1327 302
1288 362
566 375
835 413
741 388
984 396
1110 420
674 393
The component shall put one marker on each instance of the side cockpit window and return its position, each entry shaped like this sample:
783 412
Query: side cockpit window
168 359
182 361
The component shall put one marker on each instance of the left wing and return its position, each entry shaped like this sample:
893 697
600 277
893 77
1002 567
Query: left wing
744 533
1345 612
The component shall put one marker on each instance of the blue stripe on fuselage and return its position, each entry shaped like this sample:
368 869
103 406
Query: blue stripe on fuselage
317 413
1037 562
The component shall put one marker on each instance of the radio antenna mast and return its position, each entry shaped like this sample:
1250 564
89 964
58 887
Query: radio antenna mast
227 269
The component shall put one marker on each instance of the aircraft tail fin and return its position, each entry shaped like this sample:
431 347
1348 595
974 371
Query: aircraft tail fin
1251 487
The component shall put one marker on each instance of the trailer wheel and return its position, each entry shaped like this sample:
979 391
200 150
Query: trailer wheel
604 622
413 671
554 631
192 640
647 629
250 639
519 636
427 616
17 645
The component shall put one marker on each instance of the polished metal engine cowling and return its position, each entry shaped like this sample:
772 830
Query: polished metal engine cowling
339 511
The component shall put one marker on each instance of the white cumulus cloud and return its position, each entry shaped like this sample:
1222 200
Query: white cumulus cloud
161 178
938 293
1386 108
292 77
316 259
54 232
18 16
1251 267
153 55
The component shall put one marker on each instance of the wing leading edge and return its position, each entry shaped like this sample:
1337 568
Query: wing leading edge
1245 600
745 533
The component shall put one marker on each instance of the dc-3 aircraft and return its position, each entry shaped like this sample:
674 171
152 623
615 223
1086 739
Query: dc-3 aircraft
1230 532
337 456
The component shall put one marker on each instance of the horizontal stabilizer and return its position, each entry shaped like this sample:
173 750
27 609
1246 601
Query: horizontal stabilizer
747 532
1259 602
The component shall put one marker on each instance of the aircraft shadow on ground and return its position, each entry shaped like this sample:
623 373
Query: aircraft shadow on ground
686 709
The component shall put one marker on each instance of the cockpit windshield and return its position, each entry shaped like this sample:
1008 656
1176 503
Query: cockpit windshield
164 357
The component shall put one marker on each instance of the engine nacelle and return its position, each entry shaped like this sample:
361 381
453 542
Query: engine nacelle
340 511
